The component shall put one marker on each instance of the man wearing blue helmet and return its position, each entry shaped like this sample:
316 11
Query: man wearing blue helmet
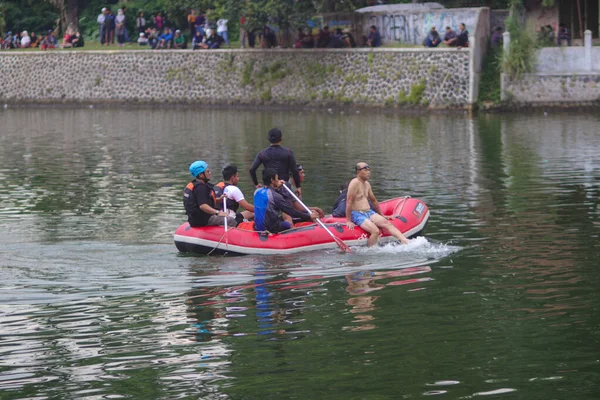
200 201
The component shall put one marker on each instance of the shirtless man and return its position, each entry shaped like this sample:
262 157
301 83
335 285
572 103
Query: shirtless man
358 211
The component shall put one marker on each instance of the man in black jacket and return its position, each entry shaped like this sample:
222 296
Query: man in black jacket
281 159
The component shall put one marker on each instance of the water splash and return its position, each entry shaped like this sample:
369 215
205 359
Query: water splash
417 247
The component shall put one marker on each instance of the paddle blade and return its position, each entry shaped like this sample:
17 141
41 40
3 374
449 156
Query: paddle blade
343 246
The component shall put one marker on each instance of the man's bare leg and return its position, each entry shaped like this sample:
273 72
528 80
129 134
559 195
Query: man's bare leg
383 223
370 227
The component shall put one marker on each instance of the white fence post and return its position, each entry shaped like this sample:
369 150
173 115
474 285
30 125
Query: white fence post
587 43
506 41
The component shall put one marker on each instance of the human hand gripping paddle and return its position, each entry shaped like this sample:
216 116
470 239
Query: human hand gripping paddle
343 246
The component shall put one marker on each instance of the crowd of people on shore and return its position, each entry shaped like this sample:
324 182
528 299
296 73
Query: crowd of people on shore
275 209
24 40
157 33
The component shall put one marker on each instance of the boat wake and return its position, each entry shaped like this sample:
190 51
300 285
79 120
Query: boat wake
419 247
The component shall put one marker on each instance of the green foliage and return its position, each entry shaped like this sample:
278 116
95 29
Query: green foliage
30 15
370 58
521 51
315 74
402 97
266 95
416 92
489 81
389 101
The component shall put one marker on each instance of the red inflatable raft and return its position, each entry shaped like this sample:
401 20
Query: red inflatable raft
411 215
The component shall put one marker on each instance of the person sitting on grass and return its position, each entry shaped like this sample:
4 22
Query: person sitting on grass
211 40
8 42
67 39
152 36
165 40
462 38
77 40
35 40
179 40
449 37
47 42
269 204
25 40
198 38
433 38
142 40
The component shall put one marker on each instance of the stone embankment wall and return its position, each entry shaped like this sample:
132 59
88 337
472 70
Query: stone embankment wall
391 77
552 89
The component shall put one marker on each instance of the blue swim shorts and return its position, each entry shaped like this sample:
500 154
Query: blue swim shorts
358 217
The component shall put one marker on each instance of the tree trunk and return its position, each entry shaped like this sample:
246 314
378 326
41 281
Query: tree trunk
73 15
580 20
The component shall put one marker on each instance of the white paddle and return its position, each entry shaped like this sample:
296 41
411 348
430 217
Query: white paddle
343 246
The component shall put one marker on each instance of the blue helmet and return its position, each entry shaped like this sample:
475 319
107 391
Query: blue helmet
198 167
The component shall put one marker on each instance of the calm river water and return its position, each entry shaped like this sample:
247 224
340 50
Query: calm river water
500 299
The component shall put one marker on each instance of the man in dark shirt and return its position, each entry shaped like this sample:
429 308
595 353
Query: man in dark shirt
462 39
281 159
269 205
269 38
374 39
432 39
450 37
200 201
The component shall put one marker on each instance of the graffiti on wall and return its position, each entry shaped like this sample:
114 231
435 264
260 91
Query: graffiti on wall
413 27
398 27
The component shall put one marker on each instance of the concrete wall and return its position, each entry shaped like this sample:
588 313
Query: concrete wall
372 77
562 75
411 27
552 89
567 59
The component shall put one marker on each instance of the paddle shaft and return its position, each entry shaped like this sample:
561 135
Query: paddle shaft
343 245
226 214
